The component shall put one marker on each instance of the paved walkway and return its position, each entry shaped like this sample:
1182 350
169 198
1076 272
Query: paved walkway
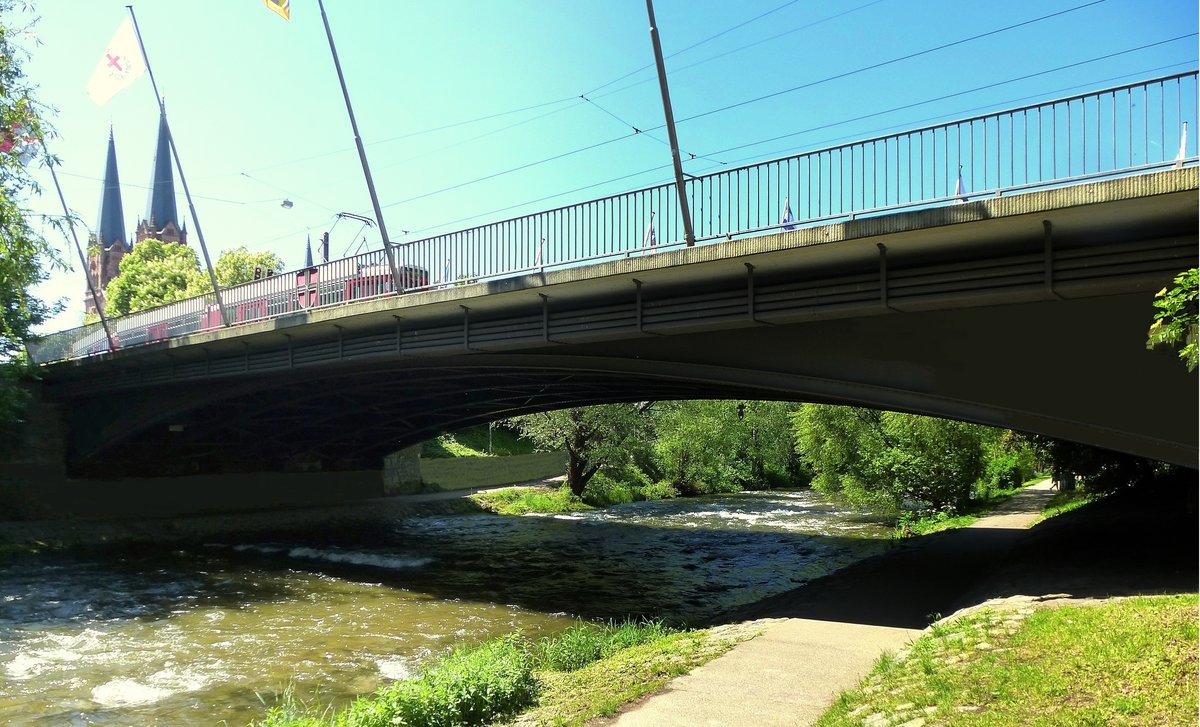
825 637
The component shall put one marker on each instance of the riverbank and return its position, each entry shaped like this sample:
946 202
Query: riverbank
829 632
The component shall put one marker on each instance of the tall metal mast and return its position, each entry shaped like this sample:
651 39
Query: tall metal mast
688 234
362 156
162 109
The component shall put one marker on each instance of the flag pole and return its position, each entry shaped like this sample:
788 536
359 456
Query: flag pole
362 156
212 276
688 234
82 258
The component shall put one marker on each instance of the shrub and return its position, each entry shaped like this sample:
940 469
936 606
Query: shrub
1005 471
658 491
473 686
602 491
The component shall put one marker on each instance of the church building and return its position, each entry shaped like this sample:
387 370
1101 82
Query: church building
161 221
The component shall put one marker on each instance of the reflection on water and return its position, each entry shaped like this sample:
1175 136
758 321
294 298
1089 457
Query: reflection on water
193 636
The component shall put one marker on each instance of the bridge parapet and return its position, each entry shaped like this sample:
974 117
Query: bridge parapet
1058 142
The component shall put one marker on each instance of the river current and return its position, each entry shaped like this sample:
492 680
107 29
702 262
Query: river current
211 633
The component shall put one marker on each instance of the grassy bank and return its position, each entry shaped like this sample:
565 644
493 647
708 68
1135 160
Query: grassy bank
1065 502
588 671
980 507
525 500
1129 661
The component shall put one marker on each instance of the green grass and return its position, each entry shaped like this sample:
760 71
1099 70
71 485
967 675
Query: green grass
524 500
587 671
581 645
1126 662
1066 502
571 698
473 442
979 508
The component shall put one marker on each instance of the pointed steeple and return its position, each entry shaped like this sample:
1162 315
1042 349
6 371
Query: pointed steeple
160 209
308 253
110 225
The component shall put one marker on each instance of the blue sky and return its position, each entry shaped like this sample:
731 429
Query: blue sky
258 117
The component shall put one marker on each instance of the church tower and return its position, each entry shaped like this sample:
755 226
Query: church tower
109 246
162 218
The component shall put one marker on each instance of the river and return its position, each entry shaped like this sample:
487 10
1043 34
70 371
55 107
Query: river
211 633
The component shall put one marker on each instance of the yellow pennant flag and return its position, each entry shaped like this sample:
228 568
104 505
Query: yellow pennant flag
281 7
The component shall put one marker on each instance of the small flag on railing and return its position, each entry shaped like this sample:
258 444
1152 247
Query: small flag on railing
281 7
119 65
960 189
1182 148
446 273
787 215
650 239
537 255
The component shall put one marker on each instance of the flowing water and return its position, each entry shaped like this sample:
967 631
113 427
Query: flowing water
210 633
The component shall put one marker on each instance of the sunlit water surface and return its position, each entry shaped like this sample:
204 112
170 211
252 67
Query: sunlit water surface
212 633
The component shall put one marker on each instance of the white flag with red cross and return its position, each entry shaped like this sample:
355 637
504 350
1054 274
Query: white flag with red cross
120 65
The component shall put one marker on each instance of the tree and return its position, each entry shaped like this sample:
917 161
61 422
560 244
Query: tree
1175 322
701 446
236 266
25 256
888 459
594 437
155 273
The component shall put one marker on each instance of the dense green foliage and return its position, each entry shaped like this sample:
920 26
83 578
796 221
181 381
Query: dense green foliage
651 450
478 685
237 266
472 686
155 273
892 461
593 437
1175 320
1130 662
25 256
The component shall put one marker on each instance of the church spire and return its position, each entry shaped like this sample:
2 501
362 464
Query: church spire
110 227
308 253
160 209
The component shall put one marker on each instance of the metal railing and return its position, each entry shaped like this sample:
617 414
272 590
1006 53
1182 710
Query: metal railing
1118 131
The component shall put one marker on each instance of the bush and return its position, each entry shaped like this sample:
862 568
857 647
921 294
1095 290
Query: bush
658 491
470 687
602 491
1006 471
584 644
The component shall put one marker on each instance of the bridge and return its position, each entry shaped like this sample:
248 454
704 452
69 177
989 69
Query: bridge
997 269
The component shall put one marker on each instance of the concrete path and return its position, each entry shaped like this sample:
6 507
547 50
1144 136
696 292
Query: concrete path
825 637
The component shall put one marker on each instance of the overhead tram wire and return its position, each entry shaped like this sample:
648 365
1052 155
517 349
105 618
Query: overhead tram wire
693 45
889 62
837 123
543 104
747 102
959 93
421 132
197 196
636 130
906 125
739 49
478 137
510 171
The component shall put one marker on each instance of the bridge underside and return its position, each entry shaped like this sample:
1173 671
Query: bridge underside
982 313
